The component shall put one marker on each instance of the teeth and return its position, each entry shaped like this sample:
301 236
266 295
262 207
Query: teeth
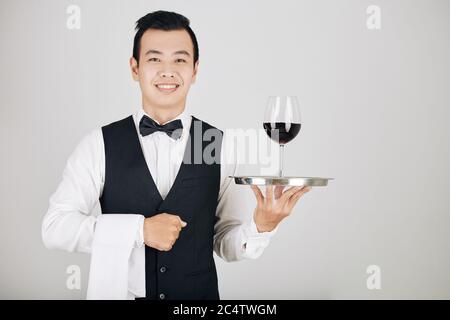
166 86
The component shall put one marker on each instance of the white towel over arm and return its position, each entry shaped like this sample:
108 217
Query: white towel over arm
112 249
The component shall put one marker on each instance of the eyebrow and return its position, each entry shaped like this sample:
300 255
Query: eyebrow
176 52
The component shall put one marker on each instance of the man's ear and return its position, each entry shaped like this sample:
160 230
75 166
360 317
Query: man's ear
194 76
134 69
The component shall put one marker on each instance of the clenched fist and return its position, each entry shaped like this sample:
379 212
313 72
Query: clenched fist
162 230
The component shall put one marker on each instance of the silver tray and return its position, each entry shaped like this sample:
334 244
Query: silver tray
281 181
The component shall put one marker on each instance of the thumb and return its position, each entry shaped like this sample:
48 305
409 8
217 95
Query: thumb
183 223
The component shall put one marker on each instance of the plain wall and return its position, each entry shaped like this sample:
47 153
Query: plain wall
375 108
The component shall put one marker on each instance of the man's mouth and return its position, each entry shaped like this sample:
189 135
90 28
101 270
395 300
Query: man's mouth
167 87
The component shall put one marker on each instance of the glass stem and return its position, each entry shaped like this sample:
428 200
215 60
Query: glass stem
280 173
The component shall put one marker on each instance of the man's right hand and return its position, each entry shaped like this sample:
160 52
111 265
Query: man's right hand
162 230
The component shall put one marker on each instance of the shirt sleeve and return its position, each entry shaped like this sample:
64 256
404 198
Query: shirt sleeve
69 223
236 236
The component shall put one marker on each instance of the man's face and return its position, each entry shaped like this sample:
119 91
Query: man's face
166 69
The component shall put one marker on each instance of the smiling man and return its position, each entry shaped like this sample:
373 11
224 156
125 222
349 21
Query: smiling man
163 215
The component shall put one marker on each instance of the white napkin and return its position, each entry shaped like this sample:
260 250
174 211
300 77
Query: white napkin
117 270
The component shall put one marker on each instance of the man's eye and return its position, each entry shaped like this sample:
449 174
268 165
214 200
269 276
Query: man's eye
153 59
180 60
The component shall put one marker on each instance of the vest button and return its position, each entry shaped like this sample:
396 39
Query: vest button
162 296
162 269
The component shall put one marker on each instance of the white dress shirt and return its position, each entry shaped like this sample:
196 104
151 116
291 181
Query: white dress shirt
115 241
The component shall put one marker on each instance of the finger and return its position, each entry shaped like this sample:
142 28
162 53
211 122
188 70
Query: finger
293 200
162 248
269 193
258 194
301 189
182 223
288 193
279 191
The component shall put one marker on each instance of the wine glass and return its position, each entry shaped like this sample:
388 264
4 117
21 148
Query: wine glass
282 121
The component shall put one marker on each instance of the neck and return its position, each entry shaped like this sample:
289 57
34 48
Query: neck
163 115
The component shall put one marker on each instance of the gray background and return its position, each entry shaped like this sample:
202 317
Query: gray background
375 109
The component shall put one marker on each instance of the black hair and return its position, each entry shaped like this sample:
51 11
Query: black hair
162 20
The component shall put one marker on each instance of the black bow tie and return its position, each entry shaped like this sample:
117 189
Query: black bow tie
173 129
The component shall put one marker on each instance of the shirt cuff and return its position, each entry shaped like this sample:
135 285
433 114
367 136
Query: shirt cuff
255 233
139 243
255 242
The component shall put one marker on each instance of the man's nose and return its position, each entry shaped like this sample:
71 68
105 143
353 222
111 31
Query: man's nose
167 74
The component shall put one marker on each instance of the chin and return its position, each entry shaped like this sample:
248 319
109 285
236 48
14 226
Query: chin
167 103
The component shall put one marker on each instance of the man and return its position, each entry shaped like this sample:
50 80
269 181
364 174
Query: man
163 214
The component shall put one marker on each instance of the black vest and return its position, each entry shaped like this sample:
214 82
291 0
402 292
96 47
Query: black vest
188 270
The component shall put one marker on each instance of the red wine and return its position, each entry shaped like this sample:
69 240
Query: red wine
286 131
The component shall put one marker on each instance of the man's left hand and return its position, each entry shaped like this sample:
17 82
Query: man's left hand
275 206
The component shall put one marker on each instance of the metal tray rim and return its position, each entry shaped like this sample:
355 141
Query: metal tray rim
283 181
